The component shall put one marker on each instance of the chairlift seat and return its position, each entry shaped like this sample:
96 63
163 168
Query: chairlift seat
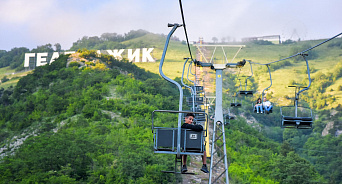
198 101
165 141
199 89
246 92
200 117
197 109
235 104
298 118
297 122
230 117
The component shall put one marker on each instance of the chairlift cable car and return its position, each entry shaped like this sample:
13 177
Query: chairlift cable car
246 92
234 102
176 141
194 100
263 92
296 121
191 89
228 117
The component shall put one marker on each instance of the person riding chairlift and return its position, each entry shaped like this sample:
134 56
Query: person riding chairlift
188 124
267 105
258 106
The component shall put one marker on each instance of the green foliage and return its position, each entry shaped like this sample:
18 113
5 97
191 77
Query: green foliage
279 65
286 42
72 64
293 169
312 54
320 82
13 58
87 53
110 41
94 127
4 79
262 42
336 43
325 152
87 144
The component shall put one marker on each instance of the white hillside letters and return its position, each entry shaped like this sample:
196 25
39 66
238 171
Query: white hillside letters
132 55
40 59
116 53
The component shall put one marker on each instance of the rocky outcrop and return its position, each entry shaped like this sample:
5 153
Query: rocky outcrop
328 127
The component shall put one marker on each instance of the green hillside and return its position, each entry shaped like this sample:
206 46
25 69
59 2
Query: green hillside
92 124
87 125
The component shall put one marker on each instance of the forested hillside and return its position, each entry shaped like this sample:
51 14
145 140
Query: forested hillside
92 125
71 125
323 150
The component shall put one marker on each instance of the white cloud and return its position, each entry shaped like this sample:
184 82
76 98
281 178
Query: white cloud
21 11
37 22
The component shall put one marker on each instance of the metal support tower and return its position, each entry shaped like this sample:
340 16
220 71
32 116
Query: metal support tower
219 122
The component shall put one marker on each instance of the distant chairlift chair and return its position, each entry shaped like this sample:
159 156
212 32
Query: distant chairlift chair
235 102
246 92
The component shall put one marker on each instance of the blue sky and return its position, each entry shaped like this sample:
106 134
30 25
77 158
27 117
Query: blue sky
38 22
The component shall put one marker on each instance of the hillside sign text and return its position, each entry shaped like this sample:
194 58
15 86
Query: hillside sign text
41 59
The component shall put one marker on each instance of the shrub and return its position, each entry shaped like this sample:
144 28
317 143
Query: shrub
4 79
339 88
72 64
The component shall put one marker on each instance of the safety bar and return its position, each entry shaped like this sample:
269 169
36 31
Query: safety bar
189 71
192 92
308 69
269 71
229 65
306 88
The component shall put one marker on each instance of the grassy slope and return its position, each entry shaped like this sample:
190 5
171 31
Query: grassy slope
11 75
327 59
173 65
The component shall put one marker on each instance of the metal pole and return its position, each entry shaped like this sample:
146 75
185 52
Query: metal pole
212 154
218 120
218 104
174 27
225 153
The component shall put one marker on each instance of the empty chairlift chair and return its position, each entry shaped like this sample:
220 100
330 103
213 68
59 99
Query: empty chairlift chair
246 92
302 120
297 117
197 100
235 102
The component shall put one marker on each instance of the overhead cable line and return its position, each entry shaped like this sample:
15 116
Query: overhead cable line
300 53
186 34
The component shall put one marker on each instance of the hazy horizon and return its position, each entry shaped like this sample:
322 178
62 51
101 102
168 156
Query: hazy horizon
39 22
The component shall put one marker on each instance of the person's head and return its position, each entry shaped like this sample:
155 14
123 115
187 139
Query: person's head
189 117
265 99
259 100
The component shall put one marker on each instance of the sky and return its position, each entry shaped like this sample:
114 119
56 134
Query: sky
34 23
